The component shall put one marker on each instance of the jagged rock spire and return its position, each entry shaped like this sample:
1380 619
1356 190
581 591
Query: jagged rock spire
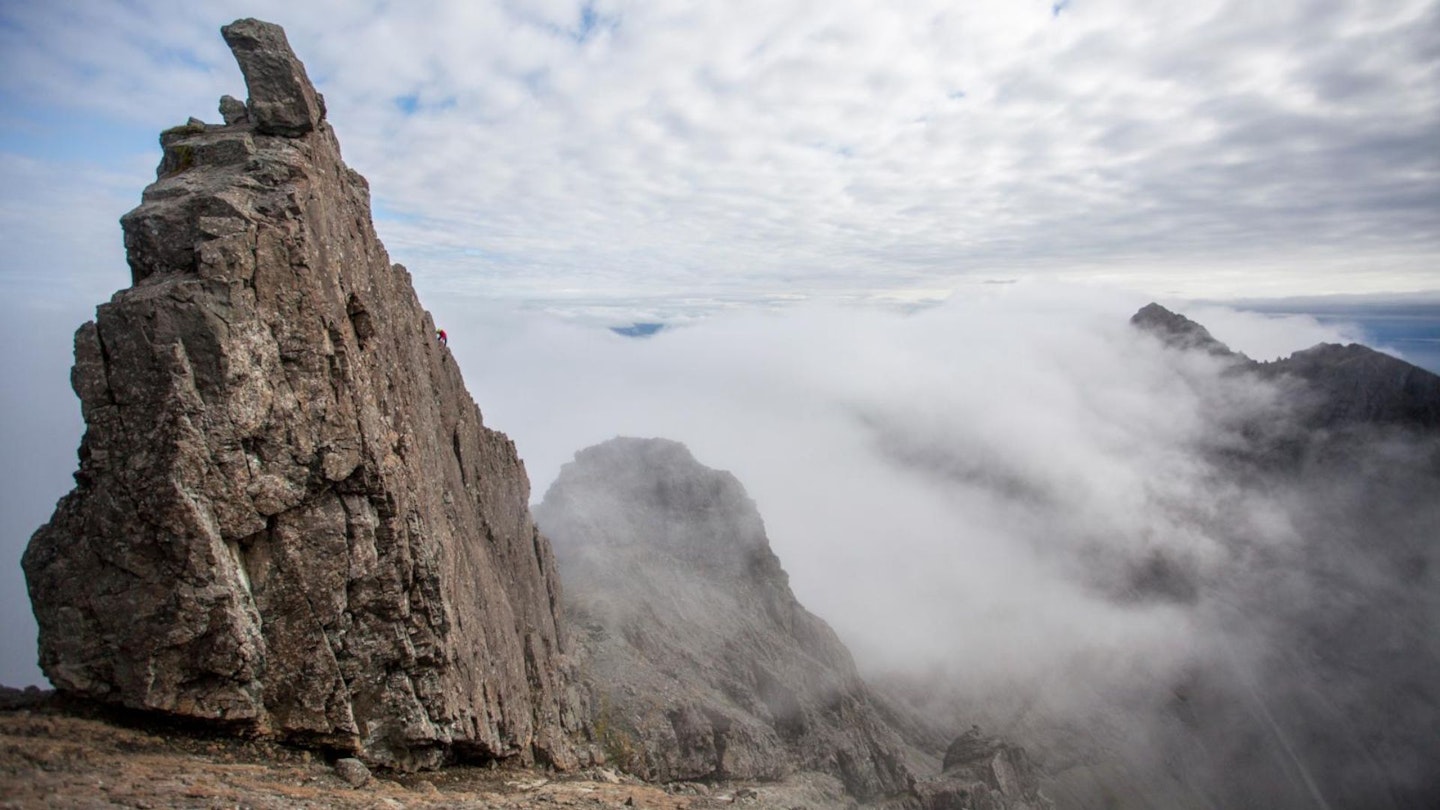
282 99
289 516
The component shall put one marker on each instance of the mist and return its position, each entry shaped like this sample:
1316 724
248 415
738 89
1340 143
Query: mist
1014 508
1020 511
39 436
923 476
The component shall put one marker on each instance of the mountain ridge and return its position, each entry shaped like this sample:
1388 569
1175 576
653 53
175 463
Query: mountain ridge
1342 385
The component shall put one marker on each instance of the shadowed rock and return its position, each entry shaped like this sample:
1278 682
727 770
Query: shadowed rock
289 517
982 772
1178 331
701 662
704 664
282 100
233 110
1356 385
1331 386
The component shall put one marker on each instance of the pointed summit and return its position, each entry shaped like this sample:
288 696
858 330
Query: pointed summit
282 99
1332 385
1178 331
290 518
695 642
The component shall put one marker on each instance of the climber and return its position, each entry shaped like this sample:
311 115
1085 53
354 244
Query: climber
440 336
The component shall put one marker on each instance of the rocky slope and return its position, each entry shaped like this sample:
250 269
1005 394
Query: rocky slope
58 754
1332 386
703 663
1324 691
289 516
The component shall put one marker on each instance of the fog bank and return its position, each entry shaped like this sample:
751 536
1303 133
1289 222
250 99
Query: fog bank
1021 507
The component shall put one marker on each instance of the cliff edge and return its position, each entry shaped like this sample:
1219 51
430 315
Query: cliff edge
702 663
289 518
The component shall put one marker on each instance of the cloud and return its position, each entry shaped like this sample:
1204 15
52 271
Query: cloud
1034 512
1010 486
839 150
1271 337
967 447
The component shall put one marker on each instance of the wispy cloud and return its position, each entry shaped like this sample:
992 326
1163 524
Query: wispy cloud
611 147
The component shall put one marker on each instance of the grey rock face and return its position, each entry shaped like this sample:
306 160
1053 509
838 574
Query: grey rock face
289 516
1356 385
282 100
233 110
981 771
703 663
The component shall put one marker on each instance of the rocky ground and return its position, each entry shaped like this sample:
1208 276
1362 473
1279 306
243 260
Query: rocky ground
56 754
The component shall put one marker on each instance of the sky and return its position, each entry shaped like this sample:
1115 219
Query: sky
608 156
602 163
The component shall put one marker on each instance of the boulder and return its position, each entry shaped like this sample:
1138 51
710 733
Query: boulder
353 771
233 110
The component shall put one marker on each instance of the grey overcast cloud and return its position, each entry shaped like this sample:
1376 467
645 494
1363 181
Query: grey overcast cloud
608 156
611 162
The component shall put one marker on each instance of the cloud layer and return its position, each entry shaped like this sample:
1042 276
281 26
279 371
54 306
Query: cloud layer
619 161
1032 514
574 155
954 440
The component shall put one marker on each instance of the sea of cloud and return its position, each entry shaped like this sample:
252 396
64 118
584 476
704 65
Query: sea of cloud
932 480
1016 502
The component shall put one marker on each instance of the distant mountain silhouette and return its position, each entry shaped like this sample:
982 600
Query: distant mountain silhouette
1339 386
703 665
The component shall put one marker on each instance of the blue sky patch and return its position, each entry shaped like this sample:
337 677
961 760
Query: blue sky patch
638 330
384 213
408 104
592 22
50 132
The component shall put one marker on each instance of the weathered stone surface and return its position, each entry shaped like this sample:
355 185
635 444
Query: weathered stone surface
353 771
233 110
1356 385
282 100
982 772
703 663
289 516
